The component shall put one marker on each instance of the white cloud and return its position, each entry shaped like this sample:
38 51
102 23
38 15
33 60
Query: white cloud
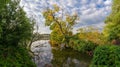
108 2
91 12
100 2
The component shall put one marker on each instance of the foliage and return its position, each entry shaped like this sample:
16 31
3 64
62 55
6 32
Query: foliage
3 3
92 34
15 57
15 27
81 45
106 56
86 46
112 28
61 25
56 36
74 41
54 43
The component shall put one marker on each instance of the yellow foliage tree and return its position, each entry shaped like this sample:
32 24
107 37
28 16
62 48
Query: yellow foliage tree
91 34
61 27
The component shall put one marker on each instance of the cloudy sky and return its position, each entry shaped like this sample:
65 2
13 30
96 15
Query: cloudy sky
91 12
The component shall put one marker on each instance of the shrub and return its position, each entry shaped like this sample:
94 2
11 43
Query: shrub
82 45
15 57
106 56
85 46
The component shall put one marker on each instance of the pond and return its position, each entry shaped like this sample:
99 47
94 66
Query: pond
48 57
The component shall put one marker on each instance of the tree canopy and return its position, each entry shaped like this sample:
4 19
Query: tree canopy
61 26
112 28
15 27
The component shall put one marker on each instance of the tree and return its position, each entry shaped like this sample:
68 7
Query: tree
3 3
14 25
15 29
112 28
61 26
91 34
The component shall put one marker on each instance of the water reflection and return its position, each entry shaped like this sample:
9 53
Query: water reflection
48 57
69 58
44 53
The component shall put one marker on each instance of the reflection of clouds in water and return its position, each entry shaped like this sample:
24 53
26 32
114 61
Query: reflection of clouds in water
46 58
43 49
74 62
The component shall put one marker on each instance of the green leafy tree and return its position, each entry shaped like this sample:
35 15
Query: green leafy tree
15 27
3 3
112 28
61 26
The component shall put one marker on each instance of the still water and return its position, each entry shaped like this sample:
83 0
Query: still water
48 57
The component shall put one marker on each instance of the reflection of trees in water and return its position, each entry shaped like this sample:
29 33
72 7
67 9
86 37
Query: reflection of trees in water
58 58
69 58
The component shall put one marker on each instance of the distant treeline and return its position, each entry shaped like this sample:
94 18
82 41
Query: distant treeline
41 36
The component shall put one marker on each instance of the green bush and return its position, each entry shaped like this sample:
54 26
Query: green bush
85 46
15 57
106 56
82 45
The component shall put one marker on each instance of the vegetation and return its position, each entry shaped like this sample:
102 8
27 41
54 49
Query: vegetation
3 3
59 25
82 45
13 22
85 41
17 35
106 56
15 30
15 57
109 55
112 28
64 28
92 34
88 39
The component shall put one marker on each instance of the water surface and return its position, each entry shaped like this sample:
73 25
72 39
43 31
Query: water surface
48 57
